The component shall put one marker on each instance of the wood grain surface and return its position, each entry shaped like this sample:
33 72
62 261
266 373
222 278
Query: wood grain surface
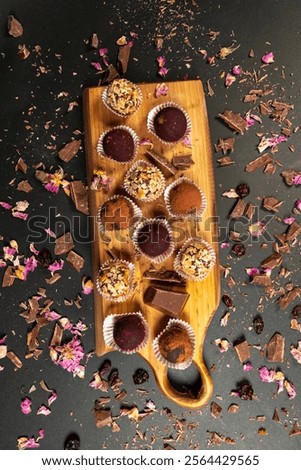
204 295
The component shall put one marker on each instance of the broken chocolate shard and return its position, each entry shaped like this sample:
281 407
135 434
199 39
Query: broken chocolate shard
24 186
163 275
272 261
271 203
14 27
21 165
63 244
293 231
123 57
288 176
103 418
14 359
167 167
238 210
167 301
243 351
79 196
249 210
258 163
215 409
94 41
23 52
275 348
262 279
182 162
69 150
9 277
225 145
108 75
76 261
286 299
234 120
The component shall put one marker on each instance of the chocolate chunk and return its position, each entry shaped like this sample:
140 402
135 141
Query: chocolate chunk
238 210
288 176
262 279
182 162
296 312
293 231
79 196
271 203
69 150
76 261
23 52
103 418
3 351
243 351
9 277
258 163
14 27
286 299
94 41
109 75
24 186
52 279
275 348
234 121
164 275
238 249
21 165
225 161
272 261
167 301
14 359
168 168
249 210
123 57
215 409
63 244
225 145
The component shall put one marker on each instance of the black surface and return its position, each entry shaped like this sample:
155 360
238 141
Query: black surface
31 96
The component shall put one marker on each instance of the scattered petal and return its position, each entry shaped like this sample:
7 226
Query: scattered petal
26 406
268 58
43 410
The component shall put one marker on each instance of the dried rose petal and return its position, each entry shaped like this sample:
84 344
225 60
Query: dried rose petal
26 406
268 58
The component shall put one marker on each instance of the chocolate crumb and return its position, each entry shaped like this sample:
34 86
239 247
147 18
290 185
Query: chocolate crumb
227 301
242 190
63 244
94 41
215 409
296 312
76 261
14 27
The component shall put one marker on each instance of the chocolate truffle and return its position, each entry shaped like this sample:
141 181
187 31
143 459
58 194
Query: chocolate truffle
122 97
175 345
129 332
115 280
195 260
144 181
153 238
184 198
170 124
118 144
116 214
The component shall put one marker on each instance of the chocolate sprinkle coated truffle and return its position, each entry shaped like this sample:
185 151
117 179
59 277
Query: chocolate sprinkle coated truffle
129 332
118 144
170 124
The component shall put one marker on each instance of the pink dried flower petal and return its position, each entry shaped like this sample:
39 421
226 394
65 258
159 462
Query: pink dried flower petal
236 70
51 315
187 141
257 229
96 65
289 220
163 71
50 232
33 249
2 263
161 61
268 58
30 264
87 286
20 215
52 398
26 406
229 80
5 205
69 355
41 434
225 245
247 367
43 410
297 179
56 265
103 52
31 443
161 90
298 204
267 375
296 352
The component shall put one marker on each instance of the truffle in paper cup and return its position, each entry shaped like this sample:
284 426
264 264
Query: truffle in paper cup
122 97
184 199
195 259
169 122
126 332
118 213
153 239
118 144
115 280
144 181
175 345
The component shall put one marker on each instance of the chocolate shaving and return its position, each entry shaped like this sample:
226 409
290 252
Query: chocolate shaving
249 210
272 261
261 279
163 163
215 409
286 299
225 161
258 163
94 41
275 348
14 359
51 280
103 418
238 210
182 162
79 196
21 165
8 277
23 52
234 121
271 203
57 336
243 351
15 29
108 75
24 186
76 261
69 150
63 244
123 57
225 145
293 231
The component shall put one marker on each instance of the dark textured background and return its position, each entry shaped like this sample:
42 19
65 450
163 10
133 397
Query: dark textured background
62 28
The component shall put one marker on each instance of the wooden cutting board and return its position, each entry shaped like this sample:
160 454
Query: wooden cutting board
204 295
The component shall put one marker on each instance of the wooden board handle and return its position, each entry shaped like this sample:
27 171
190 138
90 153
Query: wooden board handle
185 399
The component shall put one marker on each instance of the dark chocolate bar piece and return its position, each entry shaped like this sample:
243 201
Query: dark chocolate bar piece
167 301
162 162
